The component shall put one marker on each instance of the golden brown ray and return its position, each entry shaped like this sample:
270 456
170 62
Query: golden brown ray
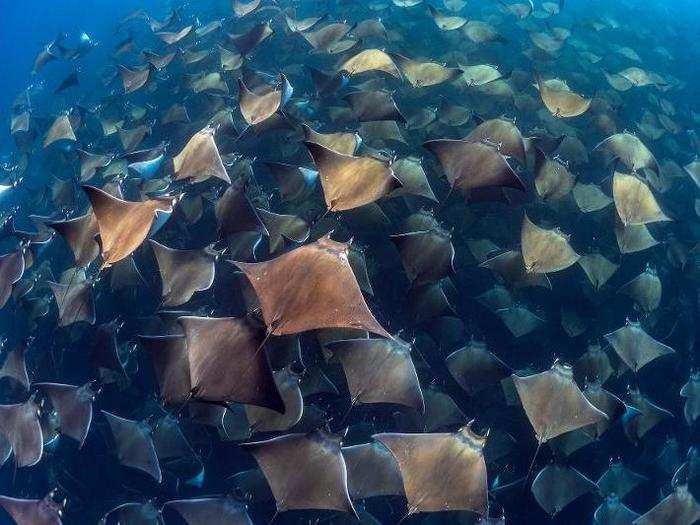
678 508
340 142
370 60
20 425
257 108
425 74
545 251
310 287
200 159
61 129
630 151
634 201
635 347
372 471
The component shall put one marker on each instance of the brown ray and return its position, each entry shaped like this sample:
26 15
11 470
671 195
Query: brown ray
12 266
633 238
645 290
545 251
678 508
556 486
263 419
91 162
303 24
124 225
427 256
593 365
159 62
229 60
134 79
372 471
379 371
184 272
444 471
131 138
374 105
14 366
348 181
200 159
474 367
304 471
630 151
75 301
134 445
553 180
554 404
635 202
20 425
171 365
211 511
174 37
215 375
561 102
343 143
472 165
370 60
480 74
446 22
33 511
510 268
325 38
73 404
505 134
235 213
410 173
589 197
308 288
61 129
425 74
635 347
256 107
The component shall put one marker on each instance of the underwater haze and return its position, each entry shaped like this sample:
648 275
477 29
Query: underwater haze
350 261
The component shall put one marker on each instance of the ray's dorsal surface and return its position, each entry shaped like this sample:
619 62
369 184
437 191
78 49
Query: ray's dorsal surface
134 445
32 511
310 287
441 471
20 425
184 272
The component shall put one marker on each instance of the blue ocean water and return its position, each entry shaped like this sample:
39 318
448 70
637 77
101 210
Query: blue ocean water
91 478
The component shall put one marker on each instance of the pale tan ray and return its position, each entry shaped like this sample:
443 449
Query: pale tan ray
545 250
635 347
562 103
597 268
370 60
645 290
200 159
425 74
634 201
340 142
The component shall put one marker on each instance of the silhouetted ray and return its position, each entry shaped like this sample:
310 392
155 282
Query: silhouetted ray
343 143
20 425
597 268
325 38
379 371
647 417
200 159
678 508
248 41
91 162
308 288
174 37
509 267
134 514
545 251
613 512
210 511
171 365
75 301
372 471
304 471
556 486
258 107
370 106
235 213
553 180
645 290
472 165
281 227
635 347
474 367
124 225
554 404
635 202
33 511
611 405
262 419
134 445
215 375
73 404
427 256
184 272
413 179
12 266
70 81
619 480
691 392
441 472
